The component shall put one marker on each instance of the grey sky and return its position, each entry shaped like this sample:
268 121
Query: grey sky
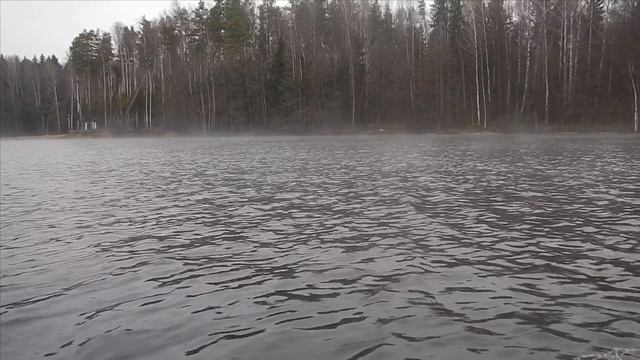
32 27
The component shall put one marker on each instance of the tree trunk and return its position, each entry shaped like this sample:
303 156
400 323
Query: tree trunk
571 61
78 104
508 60
104 92
70 125
263 97
150 100
604 43
213 103
546 64
475 44
464 85
484 94
590 41
564 63
38 102
351 67
486 50
55 95
162 89
203 116
526 75
634 87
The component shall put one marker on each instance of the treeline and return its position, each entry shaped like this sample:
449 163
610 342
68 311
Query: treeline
326 65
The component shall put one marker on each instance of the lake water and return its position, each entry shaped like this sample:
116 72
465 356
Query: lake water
433 247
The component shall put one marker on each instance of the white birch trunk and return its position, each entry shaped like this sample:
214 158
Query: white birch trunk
475 44
104 93
70 124
55 95
546 64
351 67
590 41
634 87
526 73
486 51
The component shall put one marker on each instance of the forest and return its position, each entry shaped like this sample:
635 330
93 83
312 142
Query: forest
336 66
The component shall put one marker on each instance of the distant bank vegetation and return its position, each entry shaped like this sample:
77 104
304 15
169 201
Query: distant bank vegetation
314 65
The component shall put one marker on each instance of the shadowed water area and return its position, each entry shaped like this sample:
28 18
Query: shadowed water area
428 247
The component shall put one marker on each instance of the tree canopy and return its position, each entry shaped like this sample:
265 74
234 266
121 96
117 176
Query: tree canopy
317 66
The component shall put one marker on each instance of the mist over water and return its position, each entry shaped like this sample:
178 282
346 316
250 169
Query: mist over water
392 247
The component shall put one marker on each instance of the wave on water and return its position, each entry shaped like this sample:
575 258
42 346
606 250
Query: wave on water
614 354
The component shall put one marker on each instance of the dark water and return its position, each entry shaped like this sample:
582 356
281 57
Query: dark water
430 247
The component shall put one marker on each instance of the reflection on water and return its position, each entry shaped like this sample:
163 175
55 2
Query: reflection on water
432 247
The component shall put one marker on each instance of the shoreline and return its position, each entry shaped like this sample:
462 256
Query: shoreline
159 133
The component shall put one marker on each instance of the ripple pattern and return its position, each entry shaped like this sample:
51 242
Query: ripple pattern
408 247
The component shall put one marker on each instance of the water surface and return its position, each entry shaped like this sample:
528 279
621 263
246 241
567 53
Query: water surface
430 247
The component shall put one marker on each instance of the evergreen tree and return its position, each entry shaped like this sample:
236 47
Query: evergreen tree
307 65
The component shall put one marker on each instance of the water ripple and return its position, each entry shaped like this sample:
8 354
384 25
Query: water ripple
443 247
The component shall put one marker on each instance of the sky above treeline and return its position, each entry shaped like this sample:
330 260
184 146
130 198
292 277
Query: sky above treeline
34 27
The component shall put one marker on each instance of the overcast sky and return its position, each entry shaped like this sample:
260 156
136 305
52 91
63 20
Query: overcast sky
34 27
